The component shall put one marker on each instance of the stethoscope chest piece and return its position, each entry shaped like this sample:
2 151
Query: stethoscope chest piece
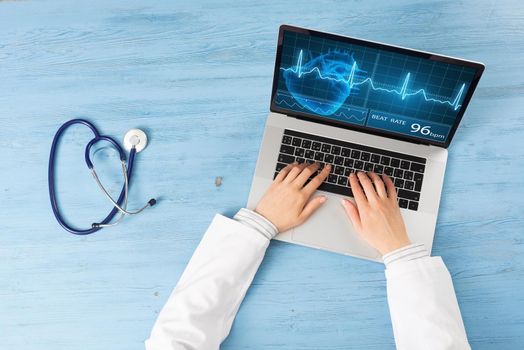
136 138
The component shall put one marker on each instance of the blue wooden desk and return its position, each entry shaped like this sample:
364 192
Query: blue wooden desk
197 77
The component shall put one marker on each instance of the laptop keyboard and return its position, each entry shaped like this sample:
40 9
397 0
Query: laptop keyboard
406 171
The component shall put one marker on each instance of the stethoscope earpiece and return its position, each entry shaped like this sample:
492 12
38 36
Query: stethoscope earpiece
150 203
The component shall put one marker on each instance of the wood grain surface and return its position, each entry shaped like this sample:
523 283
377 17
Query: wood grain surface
196 75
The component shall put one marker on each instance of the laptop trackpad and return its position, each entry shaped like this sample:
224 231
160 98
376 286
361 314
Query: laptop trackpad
329 228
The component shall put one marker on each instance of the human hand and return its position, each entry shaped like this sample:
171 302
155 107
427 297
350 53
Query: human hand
376 214
286 203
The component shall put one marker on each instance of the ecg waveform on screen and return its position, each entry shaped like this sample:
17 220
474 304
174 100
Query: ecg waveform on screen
343 113
351 81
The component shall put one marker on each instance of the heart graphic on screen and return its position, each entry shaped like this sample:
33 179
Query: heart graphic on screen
321 84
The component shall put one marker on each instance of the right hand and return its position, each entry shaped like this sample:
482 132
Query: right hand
288 203
376 214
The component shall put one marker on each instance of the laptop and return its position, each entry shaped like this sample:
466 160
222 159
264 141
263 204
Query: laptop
361 105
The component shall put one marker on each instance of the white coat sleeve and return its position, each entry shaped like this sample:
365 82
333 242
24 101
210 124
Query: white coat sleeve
423 306
201 309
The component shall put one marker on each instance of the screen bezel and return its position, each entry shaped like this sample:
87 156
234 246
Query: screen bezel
479 69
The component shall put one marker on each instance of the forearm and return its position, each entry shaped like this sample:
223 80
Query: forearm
203 305
422 302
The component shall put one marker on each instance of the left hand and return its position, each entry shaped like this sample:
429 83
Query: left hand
286 203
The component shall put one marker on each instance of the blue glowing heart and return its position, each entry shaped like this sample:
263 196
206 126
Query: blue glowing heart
327 75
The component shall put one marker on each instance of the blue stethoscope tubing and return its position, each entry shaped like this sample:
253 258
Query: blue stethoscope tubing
51 175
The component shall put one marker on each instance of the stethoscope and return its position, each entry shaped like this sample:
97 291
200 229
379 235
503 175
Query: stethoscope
135 140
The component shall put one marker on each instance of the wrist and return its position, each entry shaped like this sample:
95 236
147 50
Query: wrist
393 246
409 252
256 221
265 216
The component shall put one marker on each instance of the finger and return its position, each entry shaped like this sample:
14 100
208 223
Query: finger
285 170
379 185
358 192
352 211
311 207
317 180
305 174
293 173
367 185
392 193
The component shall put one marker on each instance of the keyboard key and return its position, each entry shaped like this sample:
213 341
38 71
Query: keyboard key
388 171
306 144
310 161
365 156
395 163
329 158
300 160
375 158
368 167
286 140
409 185
287 149
284 158
342 190
299 152
404 164
315 146
414 196
319 157
408 175
326 148
418 167
418 177
413 205
359 164
355 154
347 171
348 162
403 203
379 169
280 166
339 160
332 178
342 180
335 150
385 160
398 173
309 154
296 142
339 170
418 186
399 183
345 152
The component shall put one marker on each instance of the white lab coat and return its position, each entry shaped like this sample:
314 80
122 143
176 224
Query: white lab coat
204 303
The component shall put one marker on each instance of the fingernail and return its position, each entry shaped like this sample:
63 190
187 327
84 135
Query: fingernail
352 175
343 202
323 199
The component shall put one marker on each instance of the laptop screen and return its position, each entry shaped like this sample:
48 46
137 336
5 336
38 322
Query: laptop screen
374 87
